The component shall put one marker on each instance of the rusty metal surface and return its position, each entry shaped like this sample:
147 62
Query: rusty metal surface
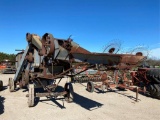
117 60
140 76
49 58
55 94
69 52
97 58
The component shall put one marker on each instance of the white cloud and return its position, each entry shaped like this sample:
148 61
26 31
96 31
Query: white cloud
155 53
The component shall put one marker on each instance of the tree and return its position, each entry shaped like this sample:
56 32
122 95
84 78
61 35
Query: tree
10 57
153 62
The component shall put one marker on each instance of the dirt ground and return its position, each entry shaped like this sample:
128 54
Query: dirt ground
117 105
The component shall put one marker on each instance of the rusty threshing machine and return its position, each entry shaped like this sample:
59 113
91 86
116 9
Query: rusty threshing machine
46 59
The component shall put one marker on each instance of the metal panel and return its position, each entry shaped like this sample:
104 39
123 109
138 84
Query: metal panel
36 59
96 58
22 62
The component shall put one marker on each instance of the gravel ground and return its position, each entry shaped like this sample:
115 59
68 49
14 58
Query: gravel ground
118 105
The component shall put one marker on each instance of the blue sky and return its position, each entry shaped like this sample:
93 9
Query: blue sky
92 23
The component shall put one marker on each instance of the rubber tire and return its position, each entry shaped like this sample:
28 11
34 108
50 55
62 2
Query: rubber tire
69 97
153 75
91 85
154 90
1 85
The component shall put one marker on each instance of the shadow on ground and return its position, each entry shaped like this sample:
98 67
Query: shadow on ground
86 102
129 96
2 105
118 91
4 88
78 99
59 102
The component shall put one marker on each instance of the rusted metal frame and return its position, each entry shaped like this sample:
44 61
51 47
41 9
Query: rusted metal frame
60 75
145 80
116 81
59 81
107 83
94 79
51 94
83 80
67 55
116 78
97 79
97 86
44 87
92 66
143 75
124 76
135 89
136 78
91 78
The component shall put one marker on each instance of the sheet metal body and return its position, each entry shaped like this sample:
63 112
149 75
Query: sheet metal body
50 57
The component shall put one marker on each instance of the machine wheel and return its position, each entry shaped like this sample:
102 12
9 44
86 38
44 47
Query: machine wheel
153 75
11 85
90 86
154 90
31 95
1 85
70 92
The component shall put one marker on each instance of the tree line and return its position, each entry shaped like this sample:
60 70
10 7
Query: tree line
11 57
153 62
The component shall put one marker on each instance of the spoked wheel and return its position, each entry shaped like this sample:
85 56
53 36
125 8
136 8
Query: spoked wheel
70 92
31 95
1 85
11 85
90 86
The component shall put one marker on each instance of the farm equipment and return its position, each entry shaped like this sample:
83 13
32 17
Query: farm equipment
106 80
148 79
46 59
110 76
144 80
6 67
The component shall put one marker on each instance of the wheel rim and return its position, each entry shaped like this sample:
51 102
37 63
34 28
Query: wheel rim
70 92
89 87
